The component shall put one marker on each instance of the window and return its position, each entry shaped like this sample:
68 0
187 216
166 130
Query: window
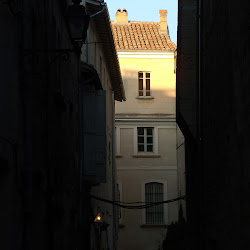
144 84
154 193
145 139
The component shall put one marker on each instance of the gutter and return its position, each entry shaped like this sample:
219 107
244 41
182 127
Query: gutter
97 13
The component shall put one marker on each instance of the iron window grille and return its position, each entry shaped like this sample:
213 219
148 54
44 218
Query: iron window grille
154 193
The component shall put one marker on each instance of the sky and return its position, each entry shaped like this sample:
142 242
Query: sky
147 10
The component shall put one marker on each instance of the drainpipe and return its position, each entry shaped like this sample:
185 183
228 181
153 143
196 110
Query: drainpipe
113 173
87 47
82 195
200 128
27 127
97 13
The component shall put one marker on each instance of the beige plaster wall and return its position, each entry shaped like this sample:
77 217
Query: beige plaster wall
162 86
127 145
166 155
135 169
133 172
166 144
133 233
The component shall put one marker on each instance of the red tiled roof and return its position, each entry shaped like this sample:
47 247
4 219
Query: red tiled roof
141 36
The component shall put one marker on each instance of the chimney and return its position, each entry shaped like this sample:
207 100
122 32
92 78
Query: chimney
122 16
163 21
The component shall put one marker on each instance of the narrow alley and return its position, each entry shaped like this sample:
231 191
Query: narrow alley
124 125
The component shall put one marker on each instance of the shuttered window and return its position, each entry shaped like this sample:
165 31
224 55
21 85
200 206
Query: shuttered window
144 84
154 193
94 136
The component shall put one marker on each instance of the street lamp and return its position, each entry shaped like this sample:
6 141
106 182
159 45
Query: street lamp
78 22
101 226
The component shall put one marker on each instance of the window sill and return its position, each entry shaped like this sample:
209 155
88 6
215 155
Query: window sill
118 156
154 225
145 97
146 155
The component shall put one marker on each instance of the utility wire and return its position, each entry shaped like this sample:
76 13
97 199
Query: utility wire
145 204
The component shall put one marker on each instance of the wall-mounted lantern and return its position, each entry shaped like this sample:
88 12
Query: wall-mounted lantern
98 218
78 22
100 226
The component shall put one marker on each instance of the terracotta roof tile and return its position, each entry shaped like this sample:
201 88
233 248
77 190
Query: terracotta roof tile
141 36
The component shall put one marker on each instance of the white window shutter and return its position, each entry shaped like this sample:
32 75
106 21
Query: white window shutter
89 135
101 147
94 123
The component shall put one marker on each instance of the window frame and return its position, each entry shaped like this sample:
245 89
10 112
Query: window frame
154 192
146 143
144 89
165 205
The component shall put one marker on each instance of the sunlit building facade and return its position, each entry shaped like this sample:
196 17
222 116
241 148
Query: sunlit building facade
145 130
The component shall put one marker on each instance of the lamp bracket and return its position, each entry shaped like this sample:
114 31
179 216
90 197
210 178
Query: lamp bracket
59 53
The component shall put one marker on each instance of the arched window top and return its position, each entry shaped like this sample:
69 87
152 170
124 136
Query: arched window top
154 183
155 188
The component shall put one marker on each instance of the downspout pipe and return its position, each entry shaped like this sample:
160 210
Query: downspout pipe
199 36
98 13
27 126
200 128
82 242
113 173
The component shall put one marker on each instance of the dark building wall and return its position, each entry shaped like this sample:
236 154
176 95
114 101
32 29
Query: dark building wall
11 206
187 111
224 85
39 143
186 90
216 158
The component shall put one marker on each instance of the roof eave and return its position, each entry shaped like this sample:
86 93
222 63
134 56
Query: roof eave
103 26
